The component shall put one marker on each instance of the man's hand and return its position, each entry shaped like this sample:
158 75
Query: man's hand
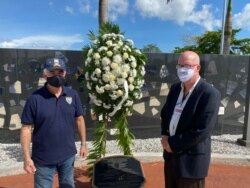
165 144
83 151
29 166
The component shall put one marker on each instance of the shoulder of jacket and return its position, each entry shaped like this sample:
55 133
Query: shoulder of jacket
206 86
176 85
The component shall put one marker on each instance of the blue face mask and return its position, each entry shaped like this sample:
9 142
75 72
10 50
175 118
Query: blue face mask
185 74
56 81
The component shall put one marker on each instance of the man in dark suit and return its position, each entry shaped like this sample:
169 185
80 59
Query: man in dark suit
188 118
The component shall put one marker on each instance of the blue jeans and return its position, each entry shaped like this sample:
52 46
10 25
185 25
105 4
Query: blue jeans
45 174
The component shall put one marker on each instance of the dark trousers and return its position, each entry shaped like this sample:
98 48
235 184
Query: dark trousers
172 180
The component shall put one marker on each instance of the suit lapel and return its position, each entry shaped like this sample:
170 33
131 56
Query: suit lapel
190 104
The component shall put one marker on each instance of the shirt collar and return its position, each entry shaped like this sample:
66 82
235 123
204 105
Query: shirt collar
64 91
192 88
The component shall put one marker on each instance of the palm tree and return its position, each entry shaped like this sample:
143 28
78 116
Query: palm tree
103 12
228 29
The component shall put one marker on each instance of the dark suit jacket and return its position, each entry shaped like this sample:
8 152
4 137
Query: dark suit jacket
191 144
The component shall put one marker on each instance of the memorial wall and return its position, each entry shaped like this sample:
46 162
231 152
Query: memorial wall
21 74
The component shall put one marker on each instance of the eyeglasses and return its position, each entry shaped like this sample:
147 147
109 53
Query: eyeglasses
185 66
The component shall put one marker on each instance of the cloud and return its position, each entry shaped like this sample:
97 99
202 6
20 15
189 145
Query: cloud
179 11
117 7
43 42
69 9
84 6
242 19
204 18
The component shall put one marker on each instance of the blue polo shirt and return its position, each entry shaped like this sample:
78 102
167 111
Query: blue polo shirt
53 119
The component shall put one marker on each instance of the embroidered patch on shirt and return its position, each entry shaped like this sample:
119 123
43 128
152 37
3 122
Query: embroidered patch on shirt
68 100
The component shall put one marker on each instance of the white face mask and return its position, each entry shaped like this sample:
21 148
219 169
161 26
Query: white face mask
185 74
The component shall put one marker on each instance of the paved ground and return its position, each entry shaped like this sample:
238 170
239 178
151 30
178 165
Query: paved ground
224 173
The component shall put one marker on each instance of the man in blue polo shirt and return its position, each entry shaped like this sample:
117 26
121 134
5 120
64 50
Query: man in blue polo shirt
52 112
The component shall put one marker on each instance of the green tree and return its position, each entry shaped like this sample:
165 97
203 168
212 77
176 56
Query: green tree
151 48
209 43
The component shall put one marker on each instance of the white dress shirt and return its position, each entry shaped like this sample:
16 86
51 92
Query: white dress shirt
179 106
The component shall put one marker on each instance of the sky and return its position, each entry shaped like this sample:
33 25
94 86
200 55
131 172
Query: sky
65 24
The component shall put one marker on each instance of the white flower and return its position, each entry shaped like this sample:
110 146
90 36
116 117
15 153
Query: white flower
117 59
131 87
97 62
104 36
125 55
89 85
105 61
120 36
109 53
133 64
107 87
98 71
114 65
120 43
133 73
87 75
103 48
113 85
88 60
124 75
93 77
132 58
119 93
95 41
107 77
130 42
136 95
129 103
126 48
125 68
131 80
96 56
106 68
95 100
99 90
113 35
117 72
100 82
143 72
139 84
120 81
138 51
106 106
129 113
140 96
116 48
113 96
109 43
90 52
